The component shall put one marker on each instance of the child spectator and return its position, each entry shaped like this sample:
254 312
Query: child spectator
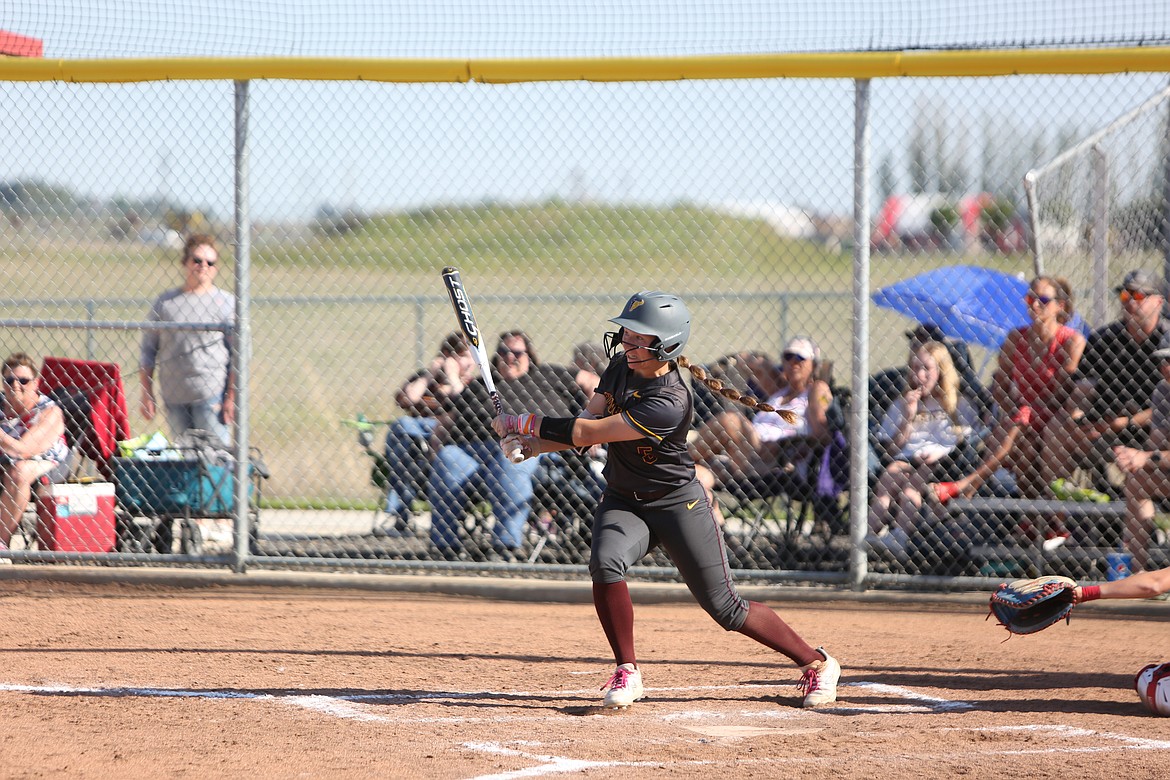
926 436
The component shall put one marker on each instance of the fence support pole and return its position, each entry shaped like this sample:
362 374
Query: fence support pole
1099 192
242 349
859 424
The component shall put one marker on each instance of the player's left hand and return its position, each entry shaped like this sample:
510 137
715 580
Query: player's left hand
1028 606
523 424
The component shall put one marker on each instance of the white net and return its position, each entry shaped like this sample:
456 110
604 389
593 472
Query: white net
596 28
1098 209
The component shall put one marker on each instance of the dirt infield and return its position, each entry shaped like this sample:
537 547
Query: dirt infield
149 681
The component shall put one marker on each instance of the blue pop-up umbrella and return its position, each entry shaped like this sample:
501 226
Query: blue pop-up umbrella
968 303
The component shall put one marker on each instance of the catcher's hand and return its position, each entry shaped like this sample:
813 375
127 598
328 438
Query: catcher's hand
1028 606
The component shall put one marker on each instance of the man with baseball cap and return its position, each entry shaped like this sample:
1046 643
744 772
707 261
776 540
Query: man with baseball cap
1114 384
1147 469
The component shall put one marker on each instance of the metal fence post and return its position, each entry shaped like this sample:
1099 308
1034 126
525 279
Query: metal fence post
242 351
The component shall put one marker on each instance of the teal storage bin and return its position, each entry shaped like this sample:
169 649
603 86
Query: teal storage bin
158 488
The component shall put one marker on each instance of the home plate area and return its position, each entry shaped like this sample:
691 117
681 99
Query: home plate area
875 730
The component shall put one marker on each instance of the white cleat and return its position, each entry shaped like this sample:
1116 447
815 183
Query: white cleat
624 687
819 682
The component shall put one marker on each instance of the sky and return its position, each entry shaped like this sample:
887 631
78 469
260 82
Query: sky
380 147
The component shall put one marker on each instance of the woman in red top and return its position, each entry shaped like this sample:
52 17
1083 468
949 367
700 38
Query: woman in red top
1032 383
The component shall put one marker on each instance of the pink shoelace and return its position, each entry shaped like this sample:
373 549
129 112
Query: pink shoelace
620 679
810 681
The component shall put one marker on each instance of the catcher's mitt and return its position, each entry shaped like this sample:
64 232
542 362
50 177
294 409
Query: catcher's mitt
1028 606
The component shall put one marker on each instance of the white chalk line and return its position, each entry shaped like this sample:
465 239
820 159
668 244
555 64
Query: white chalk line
551 764
932 703
349 705
554 765
1136 743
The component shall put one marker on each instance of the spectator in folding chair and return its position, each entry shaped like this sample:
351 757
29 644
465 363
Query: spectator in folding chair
590 362
776 457
724 443
1147 469
1033 382
783 451
32 441
887 385
407 449
926 436
467 454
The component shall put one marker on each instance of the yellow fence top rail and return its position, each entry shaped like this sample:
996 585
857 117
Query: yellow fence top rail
847 65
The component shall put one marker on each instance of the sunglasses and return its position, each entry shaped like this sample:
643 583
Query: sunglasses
202 261
1132 295
792 357
516 353
19 380
1032 299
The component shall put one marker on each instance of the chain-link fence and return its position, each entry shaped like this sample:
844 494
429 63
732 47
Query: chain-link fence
557 200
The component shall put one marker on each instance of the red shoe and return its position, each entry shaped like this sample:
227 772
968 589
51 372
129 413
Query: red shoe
945 491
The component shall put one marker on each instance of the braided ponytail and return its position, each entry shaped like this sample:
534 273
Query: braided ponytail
700 373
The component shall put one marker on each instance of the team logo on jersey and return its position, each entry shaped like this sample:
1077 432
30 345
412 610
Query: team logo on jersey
648 455
611 405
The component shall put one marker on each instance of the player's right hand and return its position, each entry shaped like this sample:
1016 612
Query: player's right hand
519 448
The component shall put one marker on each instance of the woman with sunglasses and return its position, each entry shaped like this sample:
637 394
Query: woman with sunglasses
32 441
643 410
1033 382
194 366
787 447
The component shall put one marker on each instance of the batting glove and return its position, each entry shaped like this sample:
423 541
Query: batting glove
524 424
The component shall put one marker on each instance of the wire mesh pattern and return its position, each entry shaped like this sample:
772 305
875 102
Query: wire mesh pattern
557 201
599 28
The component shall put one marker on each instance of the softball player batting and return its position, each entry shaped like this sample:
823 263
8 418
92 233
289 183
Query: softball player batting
642 410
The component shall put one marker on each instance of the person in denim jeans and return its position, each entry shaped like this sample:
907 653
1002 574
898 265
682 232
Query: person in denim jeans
194 366
407 440
470 456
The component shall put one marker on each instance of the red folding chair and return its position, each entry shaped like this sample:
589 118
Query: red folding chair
94 401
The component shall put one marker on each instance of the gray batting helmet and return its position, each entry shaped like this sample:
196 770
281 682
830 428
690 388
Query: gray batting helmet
657 314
